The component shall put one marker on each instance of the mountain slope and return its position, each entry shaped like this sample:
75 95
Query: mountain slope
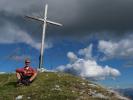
54 86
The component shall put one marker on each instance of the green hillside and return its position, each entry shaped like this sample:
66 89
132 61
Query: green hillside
53 86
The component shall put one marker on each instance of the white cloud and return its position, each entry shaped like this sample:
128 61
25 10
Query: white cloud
72 56
86 52
122 48
108 47
88 68
10 33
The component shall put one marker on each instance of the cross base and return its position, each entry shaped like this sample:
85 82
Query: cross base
41 70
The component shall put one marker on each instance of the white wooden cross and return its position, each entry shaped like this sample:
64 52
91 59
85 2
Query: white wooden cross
45 21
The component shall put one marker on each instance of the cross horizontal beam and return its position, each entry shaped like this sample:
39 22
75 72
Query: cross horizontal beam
43 20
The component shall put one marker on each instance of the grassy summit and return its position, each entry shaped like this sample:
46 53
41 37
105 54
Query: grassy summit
53 86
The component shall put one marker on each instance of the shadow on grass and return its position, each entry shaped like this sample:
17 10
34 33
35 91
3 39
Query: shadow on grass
14 84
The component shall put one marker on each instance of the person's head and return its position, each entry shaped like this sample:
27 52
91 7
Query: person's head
27 62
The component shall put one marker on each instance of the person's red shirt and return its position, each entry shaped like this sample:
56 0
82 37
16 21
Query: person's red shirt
26 71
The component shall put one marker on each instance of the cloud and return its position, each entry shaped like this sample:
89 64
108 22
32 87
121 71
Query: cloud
94 16
88 68
86 52
72 57
122 48
10 33
80 18
19 7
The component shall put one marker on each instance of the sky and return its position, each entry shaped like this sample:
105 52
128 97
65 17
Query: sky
95 41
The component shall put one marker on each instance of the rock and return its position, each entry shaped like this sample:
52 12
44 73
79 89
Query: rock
82 92
83 83
28 98
59 75
92 85
57 87
20 97
73 91
99 95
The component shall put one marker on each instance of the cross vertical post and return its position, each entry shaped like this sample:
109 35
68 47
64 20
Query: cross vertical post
43 37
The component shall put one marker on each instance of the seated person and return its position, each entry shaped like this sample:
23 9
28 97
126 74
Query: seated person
26 75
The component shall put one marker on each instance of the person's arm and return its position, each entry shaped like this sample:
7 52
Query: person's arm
33 76
18 75
18 72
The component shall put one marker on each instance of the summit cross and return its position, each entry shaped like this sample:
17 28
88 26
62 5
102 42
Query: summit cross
45 21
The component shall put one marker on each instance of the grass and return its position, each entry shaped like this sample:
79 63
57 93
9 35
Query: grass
49 86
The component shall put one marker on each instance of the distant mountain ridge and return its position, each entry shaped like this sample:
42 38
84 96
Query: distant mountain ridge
128 92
